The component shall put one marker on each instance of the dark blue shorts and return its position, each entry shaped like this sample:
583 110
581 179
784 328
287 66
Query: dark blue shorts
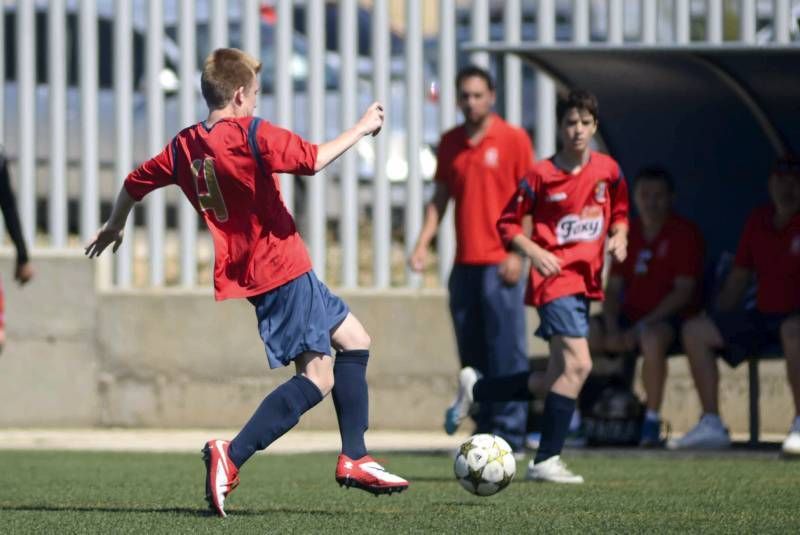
565 316
749 333
297 317
675 322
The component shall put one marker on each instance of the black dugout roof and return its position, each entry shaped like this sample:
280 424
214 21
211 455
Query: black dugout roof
715 116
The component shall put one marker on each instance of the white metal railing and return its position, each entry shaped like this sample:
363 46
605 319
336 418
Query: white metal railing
84 138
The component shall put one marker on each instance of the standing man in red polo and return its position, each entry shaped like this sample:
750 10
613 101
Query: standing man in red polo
480 163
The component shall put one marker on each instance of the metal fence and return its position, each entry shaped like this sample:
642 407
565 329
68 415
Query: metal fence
92 88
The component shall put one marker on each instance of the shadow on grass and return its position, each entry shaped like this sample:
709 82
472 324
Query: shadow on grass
181 511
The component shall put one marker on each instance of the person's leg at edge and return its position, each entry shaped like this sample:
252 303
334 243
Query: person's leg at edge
283 407
790 342
654 343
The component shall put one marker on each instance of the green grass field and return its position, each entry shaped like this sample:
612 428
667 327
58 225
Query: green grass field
54 492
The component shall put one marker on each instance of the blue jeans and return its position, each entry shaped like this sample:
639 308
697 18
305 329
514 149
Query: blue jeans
489 322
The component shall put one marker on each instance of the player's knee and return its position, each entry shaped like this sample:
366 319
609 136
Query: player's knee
578 369
653 343
694 332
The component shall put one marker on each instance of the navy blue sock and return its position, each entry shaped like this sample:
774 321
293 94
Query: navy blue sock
504 388
279 412
558 411
351 400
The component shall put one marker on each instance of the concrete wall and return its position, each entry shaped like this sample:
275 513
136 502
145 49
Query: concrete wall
76 356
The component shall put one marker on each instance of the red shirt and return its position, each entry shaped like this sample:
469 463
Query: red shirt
774 255
256 245
650 270
571 218
480 178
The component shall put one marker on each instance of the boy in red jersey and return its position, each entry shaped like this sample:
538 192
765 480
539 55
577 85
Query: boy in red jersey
769 249
651 293
576 198
226 167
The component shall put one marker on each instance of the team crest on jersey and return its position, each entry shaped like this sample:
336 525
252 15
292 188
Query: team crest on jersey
491 157
600 191
795 248
588 226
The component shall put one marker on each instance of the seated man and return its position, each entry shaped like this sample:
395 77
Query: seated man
769 249
651 293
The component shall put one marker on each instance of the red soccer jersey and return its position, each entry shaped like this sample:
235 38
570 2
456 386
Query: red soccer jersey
480 178
256 245
571 218
774 255
650 270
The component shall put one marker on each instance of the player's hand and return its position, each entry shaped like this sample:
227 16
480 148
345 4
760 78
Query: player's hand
104 237
372 120
510 269
23 273
546 263
618 247
418 259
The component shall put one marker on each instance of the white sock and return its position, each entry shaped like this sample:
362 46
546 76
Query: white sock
652 415
712 419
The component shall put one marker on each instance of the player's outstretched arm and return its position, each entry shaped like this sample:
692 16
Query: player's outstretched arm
111 232
370 123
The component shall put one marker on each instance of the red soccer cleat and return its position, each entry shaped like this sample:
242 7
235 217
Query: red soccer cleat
366 474
222 476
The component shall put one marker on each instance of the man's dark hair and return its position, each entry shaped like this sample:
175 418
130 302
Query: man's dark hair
656 173
580 99
473 71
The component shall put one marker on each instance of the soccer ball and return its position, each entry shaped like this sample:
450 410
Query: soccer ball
484 464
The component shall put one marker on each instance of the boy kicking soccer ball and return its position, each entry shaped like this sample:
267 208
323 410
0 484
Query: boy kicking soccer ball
576 198
226 167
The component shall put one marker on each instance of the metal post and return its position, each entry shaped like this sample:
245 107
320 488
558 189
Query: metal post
251 27
616 34
479 22
381 207
682 22
513 65
649 22
747 20
348 223
447 119
155 140
580 22
414 130
88 81
57 81
545 88
284 90
219 24
781 21
26 113
123 111
714 18
316 92
188 115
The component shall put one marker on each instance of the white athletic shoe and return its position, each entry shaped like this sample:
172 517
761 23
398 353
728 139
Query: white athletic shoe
459 410
553 470
708 434
791 446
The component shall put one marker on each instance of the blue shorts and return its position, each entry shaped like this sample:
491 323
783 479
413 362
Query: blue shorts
565 316
296 317
749 333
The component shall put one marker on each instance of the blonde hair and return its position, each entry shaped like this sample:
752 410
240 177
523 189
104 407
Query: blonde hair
224 71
